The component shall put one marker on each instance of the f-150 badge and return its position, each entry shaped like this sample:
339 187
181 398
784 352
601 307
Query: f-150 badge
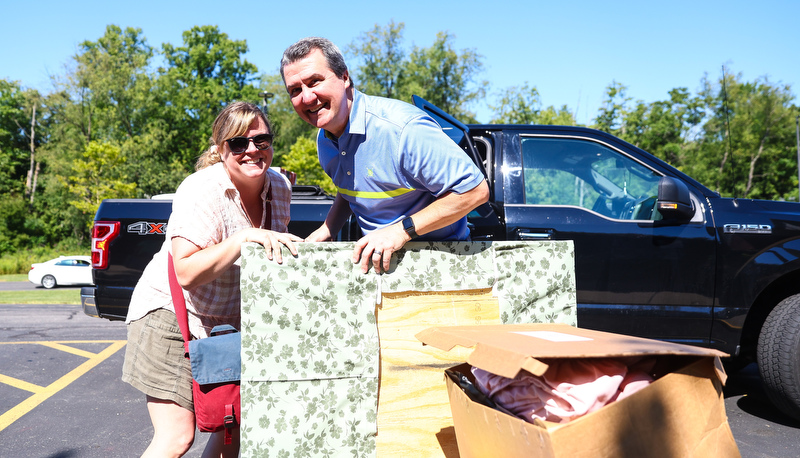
747 229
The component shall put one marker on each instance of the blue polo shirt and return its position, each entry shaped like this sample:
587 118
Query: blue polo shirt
394 160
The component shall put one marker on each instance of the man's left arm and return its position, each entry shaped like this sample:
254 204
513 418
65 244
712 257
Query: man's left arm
377 247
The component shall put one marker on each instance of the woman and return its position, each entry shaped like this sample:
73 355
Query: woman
232 198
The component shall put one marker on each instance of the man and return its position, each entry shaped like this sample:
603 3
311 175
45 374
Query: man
393 166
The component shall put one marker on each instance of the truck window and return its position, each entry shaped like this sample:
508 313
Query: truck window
581 173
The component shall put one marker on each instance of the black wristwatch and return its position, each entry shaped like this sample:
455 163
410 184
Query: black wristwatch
408 226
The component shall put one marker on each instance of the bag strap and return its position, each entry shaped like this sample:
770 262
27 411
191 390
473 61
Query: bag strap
178 302
268 209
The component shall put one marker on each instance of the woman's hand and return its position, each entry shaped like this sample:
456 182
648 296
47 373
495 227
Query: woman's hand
272 241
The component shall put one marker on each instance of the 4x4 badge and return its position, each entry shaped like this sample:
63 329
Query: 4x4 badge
147 228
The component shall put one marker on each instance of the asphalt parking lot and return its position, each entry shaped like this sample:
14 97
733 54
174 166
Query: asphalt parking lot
60 388
61 393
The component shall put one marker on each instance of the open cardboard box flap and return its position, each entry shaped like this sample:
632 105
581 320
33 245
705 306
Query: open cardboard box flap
506 349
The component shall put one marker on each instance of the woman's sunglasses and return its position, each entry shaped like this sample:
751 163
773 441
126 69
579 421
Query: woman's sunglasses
238 145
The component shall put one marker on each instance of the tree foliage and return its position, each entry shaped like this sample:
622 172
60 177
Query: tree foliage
303 157
98 175
12 138
201 77
441 74
383 60
447 78
521 105
747 147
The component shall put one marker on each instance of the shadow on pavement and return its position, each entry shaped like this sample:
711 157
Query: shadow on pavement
754 401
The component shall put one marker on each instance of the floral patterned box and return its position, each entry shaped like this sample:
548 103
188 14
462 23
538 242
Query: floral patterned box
330 364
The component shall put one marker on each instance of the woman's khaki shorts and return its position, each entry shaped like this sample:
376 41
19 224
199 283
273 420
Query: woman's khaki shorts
154 359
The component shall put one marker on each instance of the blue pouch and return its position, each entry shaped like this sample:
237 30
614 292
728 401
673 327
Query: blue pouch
217 358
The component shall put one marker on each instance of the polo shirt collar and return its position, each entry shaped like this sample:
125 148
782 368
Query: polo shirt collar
358 114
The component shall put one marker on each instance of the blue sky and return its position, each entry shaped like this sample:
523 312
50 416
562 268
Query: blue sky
570 51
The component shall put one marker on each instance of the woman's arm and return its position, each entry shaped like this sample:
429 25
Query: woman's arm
195 266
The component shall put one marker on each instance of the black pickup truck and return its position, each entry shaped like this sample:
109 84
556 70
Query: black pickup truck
658 254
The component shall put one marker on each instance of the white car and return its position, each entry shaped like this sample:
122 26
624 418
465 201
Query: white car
64 270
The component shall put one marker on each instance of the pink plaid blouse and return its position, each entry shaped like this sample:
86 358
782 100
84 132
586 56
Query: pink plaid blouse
206 210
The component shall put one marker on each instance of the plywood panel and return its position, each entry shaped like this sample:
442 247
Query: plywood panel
414 418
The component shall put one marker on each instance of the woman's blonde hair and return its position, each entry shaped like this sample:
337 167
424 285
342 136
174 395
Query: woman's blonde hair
232 121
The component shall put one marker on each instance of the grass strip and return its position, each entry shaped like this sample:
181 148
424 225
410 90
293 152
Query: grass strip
71 296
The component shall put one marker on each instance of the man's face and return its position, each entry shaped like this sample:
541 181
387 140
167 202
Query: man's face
317 94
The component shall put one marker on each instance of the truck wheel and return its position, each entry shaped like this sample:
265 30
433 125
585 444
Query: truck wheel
779 356
49 281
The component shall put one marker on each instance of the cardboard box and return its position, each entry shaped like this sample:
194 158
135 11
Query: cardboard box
681 414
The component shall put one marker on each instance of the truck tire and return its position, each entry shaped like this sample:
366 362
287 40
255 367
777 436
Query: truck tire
49 281
779 356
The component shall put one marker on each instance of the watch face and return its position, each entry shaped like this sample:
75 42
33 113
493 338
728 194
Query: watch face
408 226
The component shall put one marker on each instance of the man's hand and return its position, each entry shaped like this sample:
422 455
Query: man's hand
337 216
322 234
376 248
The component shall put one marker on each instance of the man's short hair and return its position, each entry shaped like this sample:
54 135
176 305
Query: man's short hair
305 46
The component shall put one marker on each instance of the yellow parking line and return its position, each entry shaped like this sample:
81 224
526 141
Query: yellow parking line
41 342
68 349
21 384
41 394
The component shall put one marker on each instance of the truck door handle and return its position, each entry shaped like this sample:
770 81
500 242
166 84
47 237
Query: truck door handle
535 235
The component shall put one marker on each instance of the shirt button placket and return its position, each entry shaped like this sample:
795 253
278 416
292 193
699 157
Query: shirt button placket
344 153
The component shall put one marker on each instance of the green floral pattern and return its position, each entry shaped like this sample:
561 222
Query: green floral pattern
535 282
310 350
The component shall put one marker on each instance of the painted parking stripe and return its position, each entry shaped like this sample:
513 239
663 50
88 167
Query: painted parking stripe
42 393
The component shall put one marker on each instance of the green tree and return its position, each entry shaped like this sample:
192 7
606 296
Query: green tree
611 116
557 116
97 175
445 77
110 96
382 58
104 96
12 138
14 219
748 141
114 70
521 105
132 110
202 76
517 105
33 108
665 128
302 159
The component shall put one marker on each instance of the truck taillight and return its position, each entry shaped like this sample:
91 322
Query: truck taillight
103 232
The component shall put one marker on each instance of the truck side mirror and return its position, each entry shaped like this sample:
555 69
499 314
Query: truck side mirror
674 200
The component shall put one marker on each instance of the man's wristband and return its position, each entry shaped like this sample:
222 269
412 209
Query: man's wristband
408 226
